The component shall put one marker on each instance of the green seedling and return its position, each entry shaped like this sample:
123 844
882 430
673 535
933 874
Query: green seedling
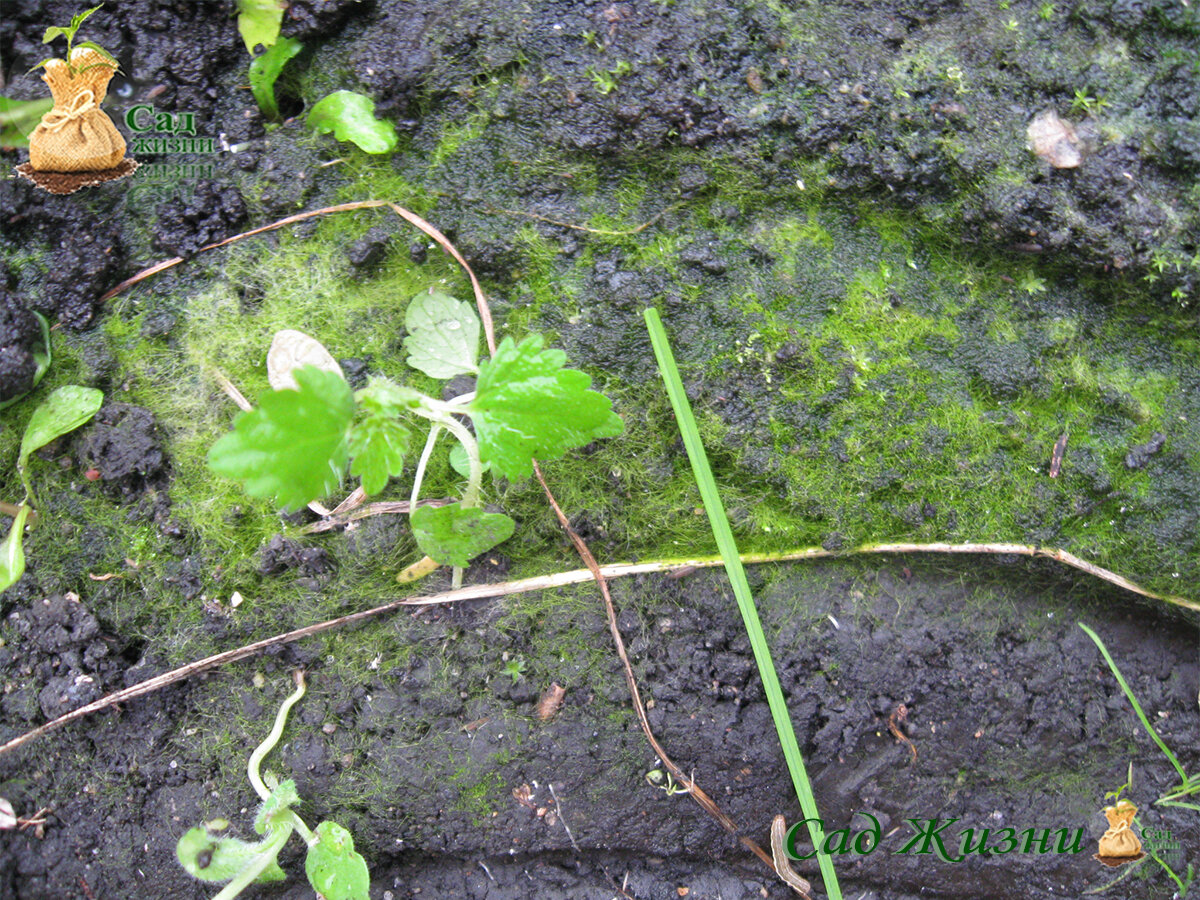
68 32
264 72
515 668
606 81
1085 103
334 869
296 445
62 412
259 22
351 117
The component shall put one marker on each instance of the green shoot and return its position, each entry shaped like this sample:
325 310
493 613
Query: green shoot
295 446
264 72
351 117
60 413
1189 786
68 32
334 869
741 589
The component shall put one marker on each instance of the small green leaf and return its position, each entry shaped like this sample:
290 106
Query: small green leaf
79 17
351 117
12 553
56 31
92 45
378 444
454 535
210 857
284 797
443 335
459 462
294 446
265 69
42 63
334 870
62 412
259 21
527 405
381 394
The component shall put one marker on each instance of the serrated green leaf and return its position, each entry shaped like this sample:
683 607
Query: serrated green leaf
454 535
210 857
378 444
334 870
294 447
443 335
459 462
527 405
284 797
351 117
259 21
12 553
382 393
265 70
62 412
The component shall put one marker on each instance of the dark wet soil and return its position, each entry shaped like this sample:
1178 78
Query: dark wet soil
1013 717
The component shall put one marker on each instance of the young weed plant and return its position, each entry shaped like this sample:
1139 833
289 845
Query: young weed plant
61 413
334 869
296 445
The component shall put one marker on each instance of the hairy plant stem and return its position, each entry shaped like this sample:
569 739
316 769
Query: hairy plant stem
270 852
291 820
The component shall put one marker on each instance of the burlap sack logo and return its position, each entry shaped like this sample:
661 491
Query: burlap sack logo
76 144
1119 844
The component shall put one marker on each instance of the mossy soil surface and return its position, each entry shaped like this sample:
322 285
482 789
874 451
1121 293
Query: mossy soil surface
887 311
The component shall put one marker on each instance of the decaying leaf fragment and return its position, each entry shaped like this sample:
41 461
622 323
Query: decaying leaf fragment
1054 140
292 349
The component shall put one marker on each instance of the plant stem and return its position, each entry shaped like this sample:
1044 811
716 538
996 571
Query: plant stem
270 852
419 477
268 744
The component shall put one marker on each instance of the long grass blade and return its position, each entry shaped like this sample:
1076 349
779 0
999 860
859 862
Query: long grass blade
741 590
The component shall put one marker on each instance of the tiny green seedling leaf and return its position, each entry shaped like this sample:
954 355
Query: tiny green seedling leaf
443 335
283 798
92 45
294 447
351 117
12 553
334 870
211 857
527 405
69 31
378 444
259 21
265 70
454 535
62 412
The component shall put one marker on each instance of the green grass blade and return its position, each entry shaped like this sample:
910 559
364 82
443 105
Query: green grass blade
741 590
1137 707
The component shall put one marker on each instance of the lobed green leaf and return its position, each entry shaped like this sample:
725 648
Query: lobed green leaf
284 797
454 535
259 22
351 117
295 446
443 335
334 870
527 405
378 445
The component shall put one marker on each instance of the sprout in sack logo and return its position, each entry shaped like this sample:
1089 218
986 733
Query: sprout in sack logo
76 144
1119 844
